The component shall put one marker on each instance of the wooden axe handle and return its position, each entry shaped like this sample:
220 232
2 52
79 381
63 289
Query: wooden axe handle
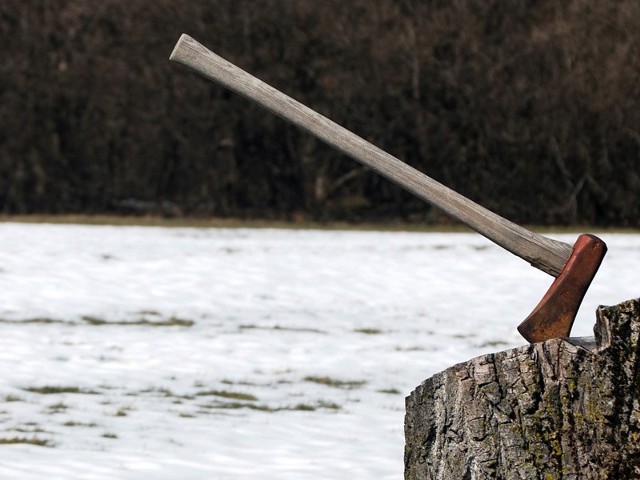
546 254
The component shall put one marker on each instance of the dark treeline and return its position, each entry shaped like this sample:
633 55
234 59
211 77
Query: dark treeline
531 108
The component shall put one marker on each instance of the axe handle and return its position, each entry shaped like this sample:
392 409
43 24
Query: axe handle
543 253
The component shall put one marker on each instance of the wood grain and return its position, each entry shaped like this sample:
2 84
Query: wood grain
546 254
561 409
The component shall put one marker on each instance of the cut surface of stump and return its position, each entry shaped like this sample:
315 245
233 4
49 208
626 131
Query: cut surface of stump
560 409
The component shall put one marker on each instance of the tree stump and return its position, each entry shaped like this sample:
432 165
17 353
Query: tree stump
560 409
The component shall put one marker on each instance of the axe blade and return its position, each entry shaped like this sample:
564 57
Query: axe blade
553 317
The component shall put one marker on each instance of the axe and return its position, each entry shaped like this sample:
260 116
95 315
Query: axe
573 267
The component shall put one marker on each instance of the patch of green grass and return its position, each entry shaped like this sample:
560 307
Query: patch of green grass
333 382
40 442
390 391
96 321
462 336
329 405
41 320
369 331
305 407
278 328
237 406
30 428
243 383
410 349
58 407
57 389
12 398
299 407
109 435
71 423
162 391
228 394
170 322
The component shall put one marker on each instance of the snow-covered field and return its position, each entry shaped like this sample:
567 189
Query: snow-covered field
157 353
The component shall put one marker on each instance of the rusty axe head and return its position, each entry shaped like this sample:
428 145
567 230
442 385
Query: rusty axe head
553 317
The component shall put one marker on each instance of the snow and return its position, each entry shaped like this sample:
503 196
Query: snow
178 353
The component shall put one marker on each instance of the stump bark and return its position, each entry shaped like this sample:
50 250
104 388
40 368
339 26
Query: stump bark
560 409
